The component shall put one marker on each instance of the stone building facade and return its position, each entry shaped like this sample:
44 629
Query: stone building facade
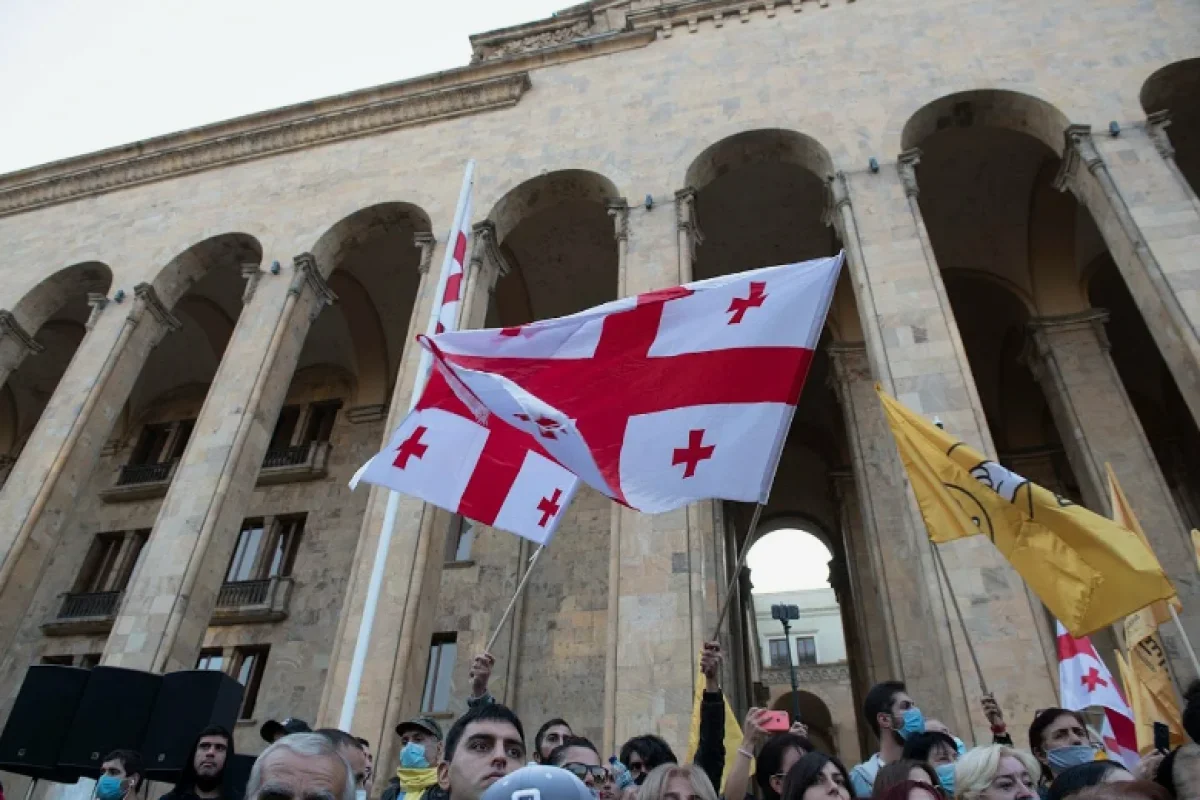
204 334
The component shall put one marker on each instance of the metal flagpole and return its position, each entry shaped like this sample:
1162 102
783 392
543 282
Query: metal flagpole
958 612
354 681
743 551
511 603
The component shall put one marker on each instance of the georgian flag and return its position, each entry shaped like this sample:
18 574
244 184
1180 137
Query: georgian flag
657 400
486 471
1085 682
447 315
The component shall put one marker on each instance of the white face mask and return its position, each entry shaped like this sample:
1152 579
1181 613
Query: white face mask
360 794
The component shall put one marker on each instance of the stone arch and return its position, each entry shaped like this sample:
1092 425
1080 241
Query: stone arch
356 229
764 145
373 378
212 320
1054 218
184 270
46 298
814 712
988 108
795 520
546 191
1017 293
1176 89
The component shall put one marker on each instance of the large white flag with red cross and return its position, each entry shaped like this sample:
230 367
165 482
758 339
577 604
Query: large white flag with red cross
1085 682
489 472
662 399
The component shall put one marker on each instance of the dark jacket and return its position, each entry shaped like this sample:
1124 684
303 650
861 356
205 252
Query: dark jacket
393 791
710 751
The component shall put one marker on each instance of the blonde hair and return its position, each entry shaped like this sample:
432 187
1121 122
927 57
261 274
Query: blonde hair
975 771
655 785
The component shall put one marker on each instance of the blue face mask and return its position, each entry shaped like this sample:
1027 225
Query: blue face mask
945 773
913 723
413 756
110 788
960 747
1063 758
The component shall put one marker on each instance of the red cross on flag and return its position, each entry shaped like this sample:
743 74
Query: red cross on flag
492 472
662 399
1085 682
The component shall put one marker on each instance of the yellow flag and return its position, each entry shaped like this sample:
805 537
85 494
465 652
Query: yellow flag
1150 694
1145 621
1089 571
733 731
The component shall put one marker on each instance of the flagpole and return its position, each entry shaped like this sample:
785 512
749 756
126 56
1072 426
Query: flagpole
743 551
1183 635
375 585
516 595
958 612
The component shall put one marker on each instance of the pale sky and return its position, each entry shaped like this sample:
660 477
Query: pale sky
786 560
82 75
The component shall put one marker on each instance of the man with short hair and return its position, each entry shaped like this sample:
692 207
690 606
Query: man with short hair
349 748
893 716
204 772
578 756
301 766
366 748
483 746
420 752
273 730
121 775
642 754
549 737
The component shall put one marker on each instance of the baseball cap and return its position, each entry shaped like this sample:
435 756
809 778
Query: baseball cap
272 728
427 724
538 782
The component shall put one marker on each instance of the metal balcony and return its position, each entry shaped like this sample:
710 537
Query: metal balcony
140 482
306 462
84 612
253 601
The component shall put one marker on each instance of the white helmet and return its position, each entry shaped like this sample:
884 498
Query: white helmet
537 782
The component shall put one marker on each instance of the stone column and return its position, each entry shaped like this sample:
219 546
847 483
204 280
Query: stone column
169 602
15 344
58 459
1098 425
1152 228
914 350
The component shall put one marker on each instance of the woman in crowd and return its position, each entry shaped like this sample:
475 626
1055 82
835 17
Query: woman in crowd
817 776
1059 740
911 790
996 772
904 770
675 782
938 750
1076 779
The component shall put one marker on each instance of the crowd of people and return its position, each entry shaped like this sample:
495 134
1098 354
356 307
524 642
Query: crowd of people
484 756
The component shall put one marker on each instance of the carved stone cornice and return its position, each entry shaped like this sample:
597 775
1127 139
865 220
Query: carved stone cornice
1156 127
807 675
1078 148
269 133
149 301
425 242
667 16
308 275
251 273
11 329
486 250
1043 328
618 209
906 164
686 220
530 37
849 362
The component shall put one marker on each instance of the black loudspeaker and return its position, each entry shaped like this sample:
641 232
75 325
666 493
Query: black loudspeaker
41 717
113 714
237 775
188 702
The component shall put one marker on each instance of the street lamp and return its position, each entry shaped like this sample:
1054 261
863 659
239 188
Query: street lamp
785 614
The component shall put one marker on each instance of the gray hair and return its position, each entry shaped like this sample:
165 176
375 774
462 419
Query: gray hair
309 745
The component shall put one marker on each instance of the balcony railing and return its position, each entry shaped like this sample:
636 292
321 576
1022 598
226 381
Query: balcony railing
140 482
84 612
253 601
143 473
305 462
286 456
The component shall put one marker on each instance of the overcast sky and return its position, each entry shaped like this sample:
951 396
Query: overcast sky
82 75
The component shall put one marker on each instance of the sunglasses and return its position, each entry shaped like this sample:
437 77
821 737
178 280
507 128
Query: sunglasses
581 771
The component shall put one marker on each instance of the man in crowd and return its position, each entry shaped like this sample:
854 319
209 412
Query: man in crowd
204 771
893 716
120 775
366 748
549 736
348 748
273 730
302 766
420 752
483 746
580 757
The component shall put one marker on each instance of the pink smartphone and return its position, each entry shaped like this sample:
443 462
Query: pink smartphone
776 722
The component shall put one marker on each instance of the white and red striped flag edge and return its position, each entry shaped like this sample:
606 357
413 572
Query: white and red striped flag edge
1085 682
451 300
487 471
663 399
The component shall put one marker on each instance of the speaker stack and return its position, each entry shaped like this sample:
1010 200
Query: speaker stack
188 702
40 721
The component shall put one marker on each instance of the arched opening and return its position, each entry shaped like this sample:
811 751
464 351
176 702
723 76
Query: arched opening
789 567
1176 89
54 313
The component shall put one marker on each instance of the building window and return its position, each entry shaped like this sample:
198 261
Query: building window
266 548
58 661
213 659
319 426
462 538
89 660
302 425
249 663
443 651
110 562
778 651
162 442
806 650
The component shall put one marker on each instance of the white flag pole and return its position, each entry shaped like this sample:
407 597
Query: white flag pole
354 681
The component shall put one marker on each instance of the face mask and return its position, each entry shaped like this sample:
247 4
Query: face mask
945 773
1064 758
959 746
413 756
913 723
110 788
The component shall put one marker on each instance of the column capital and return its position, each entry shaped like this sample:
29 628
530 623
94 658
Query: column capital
1078 148
149 301
618 209
11 329
97 302
487 249
308 275
906 165
251 273
1042 328
685 219
837 196
1156 127
425 242
842 479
